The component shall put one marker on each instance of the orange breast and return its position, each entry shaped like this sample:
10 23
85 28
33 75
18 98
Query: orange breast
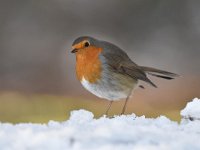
88 64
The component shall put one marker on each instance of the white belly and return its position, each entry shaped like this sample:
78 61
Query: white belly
109 89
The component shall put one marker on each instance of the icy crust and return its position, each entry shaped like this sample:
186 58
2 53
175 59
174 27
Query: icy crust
192 110
83 132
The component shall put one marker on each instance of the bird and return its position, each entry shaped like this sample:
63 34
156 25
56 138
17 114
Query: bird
106 71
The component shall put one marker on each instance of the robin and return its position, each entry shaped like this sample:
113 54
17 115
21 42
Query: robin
105 70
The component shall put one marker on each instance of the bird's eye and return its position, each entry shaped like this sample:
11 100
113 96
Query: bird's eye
87 44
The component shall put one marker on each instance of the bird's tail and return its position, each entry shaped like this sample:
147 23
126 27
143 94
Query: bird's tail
159 73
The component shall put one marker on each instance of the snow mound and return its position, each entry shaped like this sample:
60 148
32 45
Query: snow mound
83 132
192 110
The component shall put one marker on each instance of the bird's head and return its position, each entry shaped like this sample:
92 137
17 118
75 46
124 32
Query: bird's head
84 43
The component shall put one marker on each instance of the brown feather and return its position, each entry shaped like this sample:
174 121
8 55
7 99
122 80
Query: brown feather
150 69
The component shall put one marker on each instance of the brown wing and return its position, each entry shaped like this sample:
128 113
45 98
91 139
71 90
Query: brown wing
135 72
121 63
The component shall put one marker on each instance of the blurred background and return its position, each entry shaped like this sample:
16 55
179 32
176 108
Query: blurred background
37 70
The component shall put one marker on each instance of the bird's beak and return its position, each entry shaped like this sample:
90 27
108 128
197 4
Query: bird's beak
74 50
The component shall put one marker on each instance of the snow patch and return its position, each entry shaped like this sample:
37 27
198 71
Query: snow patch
83 132
85 116
192 110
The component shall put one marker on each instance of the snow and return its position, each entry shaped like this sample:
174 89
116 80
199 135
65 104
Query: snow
83 132
192 110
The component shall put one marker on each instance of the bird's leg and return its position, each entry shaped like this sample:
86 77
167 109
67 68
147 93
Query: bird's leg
124 108
109 107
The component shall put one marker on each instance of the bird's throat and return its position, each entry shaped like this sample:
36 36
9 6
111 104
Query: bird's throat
88 64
